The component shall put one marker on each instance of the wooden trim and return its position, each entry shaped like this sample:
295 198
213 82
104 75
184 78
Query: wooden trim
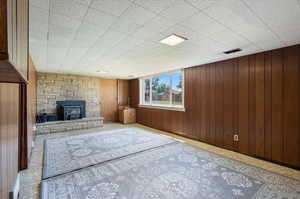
9 74
23 142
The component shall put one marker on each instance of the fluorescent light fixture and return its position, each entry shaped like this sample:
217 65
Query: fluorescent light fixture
173 40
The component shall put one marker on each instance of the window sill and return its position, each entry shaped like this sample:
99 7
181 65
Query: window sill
163 107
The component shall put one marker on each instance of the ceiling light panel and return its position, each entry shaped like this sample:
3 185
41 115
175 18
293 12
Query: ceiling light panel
173 40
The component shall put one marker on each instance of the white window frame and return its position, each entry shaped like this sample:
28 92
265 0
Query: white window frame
161 106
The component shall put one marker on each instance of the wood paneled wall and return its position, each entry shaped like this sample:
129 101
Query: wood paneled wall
31 103
256 97
123 92
109 99
9 131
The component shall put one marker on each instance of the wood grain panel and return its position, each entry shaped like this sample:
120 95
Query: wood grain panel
229 109
254 96
268 105
219 105
134 93
123 92
109 99
277 105
9 121
252 106
243 104
31 104
291 105
260 105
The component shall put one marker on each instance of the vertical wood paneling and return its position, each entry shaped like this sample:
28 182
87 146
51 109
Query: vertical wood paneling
9 121
229 108
188 103
260 105
123 92
109 99
203 104
212 89
252 106
198 97
277 105
291 105
219 104
268 106
243 104
255 96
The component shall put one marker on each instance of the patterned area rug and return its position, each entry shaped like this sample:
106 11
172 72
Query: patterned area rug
67 154
175 171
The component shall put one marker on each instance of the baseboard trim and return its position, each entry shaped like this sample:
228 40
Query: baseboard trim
16 188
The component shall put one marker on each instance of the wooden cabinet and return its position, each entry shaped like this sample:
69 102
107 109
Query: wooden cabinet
127 116
13 40
9 130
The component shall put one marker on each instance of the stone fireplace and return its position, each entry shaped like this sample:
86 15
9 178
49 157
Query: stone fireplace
70 109
68 97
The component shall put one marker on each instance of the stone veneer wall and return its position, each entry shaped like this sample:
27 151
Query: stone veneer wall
53 87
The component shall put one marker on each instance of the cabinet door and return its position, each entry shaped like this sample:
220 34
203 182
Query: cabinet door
17 35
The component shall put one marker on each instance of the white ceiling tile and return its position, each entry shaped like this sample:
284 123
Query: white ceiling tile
278 13
144 34
179 11
84 2
155 5
180 30
233 13
64 21
99 18
125 26
69 8
230 39
40 3
114 7
129 44
203 24
158 24
257 35
87 30
38 26
56 31
137 14
203 4
290 36
38 16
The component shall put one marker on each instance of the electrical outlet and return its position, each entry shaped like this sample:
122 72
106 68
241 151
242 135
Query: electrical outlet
236 138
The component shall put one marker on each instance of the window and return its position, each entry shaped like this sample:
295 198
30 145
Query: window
164 90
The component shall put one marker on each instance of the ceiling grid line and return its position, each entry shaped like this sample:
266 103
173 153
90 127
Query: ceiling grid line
110 28
123 36
266 24
77 30
227 27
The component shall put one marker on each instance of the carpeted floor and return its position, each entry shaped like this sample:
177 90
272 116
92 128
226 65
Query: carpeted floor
63 155
31 177
174 171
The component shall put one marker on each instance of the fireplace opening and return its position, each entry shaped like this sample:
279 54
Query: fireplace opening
70 109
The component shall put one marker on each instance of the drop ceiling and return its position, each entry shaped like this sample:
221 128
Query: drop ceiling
122 36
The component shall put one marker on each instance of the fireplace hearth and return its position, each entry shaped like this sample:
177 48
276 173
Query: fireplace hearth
70 109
